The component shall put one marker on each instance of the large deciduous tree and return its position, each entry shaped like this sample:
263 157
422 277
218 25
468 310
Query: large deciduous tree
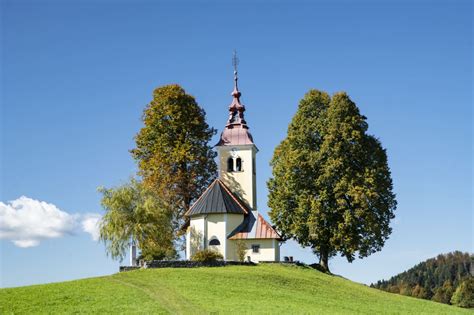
331 187
173 153
135 214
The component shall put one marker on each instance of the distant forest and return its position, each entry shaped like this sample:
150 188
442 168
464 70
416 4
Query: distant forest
436 279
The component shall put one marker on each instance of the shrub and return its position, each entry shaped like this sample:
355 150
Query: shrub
241 249
207 255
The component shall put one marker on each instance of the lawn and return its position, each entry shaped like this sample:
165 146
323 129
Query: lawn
232 289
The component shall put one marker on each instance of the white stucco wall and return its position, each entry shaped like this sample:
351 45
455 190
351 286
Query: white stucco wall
216 228
269 250
195 233
211 226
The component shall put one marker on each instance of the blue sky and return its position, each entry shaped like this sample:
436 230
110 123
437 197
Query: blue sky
76 76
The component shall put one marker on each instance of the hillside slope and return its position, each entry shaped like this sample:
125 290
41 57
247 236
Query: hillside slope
232 289
436 278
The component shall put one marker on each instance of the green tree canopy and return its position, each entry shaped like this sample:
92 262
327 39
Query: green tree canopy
173 153
331 187
464 294
443 294
134 213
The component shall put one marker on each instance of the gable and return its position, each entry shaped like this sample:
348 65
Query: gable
217 199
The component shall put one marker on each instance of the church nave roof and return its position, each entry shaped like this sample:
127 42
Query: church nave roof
217 199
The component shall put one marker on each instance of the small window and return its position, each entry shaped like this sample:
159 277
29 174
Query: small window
230 164
238 165
234 116
214 242
255 249
253 166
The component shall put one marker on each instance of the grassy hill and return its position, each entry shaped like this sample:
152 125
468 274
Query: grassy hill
232 289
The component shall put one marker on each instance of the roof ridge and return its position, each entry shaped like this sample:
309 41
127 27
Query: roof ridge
217 198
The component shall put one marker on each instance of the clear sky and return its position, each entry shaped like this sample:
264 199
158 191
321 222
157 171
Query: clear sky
76 76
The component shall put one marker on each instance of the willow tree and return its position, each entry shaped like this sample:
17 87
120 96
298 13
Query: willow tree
331 187
135 214
173 153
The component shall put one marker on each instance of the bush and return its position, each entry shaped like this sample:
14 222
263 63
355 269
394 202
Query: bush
241 249
207 255
464 295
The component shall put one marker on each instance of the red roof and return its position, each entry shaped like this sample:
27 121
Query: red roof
235 136
236 131
262 230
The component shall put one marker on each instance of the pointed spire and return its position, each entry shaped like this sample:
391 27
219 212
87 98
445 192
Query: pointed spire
236 109
236 129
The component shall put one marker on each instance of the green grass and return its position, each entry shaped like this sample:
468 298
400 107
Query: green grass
234 289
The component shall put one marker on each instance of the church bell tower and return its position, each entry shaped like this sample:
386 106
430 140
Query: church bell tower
237 151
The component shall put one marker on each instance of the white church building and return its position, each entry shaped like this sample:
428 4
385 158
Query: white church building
227 210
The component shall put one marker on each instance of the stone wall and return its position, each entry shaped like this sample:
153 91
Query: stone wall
128 268
185 264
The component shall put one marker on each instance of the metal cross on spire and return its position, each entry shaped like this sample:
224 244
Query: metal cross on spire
235 62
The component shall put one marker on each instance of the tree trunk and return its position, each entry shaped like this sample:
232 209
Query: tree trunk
323 259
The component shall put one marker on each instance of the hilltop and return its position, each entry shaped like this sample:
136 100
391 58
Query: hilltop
232 289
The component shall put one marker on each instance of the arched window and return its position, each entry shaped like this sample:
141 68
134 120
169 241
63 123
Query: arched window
230 164
214 242
238 165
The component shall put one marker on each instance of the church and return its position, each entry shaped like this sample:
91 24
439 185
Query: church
226 213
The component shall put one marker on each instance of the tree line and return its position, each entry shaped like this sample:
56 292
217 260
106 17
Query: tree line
446 278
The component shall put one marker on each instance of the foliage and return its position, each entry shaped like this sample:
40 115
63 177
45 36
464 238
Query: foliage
207 255
419 292
173 153
135 213
196 239
331 187
444 293
464 295
275 289
241 249
435 279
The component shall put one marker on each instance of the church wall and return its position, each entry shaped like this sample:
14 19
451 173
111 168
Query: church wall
196 235
233 221
216 228
269 250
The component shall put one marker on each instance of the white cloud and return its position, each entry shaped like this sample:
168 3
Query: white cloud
26 222
90 224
